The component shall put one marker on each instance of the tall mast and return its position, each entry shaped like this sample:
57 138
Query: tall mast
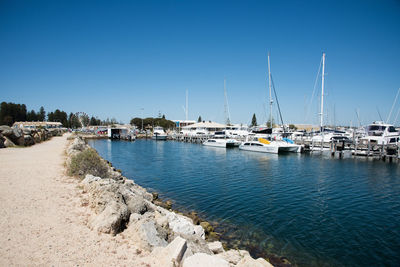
187 105
322 92
227 114
270 91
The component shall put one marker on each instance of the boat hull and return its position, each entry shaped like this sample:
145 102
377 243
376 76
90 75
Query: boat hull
261 149
159 137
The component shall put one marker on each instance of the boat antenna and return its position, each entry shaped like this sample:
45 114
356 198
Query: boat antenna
270 91
227 113
394 102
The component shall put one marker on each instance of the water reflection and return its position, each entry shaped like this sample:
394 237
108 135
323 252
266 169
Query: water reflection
314 209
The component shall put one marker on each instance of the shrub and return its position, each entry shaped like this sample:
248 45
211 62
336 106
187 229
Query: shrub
87 162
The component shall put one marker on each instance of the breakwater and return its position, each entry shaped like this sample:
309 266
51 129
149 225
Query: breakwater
314 210
123 207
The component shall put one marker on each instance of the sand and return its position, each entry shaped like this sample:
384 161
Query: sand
43 215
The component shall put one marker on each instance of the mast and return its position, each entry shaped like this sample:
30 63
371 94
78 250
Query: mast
270 91
322 92
227 113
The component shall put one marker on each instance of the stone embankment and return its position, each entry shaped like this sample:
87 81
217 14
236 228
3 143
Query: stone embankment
11 137
122 207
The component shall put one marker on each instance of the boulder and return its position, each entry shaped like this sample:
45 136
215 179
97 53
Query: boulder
169 256
183 225
216 247
37 138
112 219
2 140
248 261
146 233
8 142
233 256
18 137
135 204
26 131
28 140
5 130
204 260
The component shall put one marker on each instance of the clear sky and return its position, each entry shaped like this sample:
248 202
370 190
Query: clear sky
112 58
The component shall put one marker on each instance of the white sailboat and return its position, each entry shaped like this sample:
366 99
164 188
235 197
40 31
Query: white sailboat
260 142
321 138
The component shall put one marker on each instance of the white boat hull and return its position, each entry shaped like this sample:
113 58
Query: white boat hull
262 149
225 143
159 137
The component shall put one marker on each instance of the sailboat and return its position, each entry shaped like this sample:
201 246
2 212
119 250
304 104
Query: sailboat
260 142
324 135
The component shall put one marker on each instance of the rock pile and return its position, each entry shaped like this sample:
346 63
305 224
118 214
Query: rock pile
122 207
11 137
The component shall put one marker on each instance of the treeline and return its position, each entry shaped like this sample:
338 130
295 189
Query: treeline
11 112
166 124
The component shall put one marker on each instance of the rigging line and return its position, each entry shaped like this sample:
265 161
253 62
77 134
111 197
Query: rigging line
277 103
394 103
313 93
395 119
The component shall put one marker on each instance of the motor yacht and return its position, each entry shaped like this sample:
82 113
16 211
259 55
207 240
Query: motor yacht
159 134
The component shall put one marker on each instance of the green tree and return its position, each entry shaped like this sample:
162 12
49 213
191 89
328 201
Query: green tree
32 116
269 123
254 120
42 114
199 119
11 112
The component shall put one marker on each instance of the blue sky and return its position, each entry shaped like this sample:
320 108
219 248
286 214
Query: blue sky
112 58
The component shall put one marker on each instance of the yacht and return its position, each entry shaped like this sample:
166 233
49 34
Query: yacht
217 142
220 140
159 134
380 133
263 145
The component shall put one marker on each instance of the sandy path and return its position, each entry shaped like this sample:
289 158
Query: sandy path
42 219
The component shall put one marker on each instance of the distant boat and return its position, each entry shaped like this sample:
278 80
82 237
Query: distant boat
261 145
159 134
216 142
220 140
380 133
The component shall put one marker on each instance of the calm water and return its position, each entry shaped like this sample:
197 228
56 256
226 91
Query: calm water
314 210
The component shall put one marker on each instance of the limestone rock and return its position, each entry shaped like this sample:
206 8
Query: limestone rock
233 256
146 234
28 140
112 219
2 139
248 261
216 247
36 137
5 130
8 142
204 260
182 225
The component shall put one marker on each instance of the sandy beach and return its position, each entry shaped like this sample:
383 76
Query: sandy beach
43 216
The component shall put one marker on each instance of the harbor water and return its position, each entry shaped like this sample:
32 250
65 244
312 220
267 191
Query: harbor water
310 208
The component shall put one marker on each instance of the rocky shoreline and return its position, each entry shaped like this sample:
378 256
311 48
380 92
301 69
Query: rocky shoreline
12 137
124 208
